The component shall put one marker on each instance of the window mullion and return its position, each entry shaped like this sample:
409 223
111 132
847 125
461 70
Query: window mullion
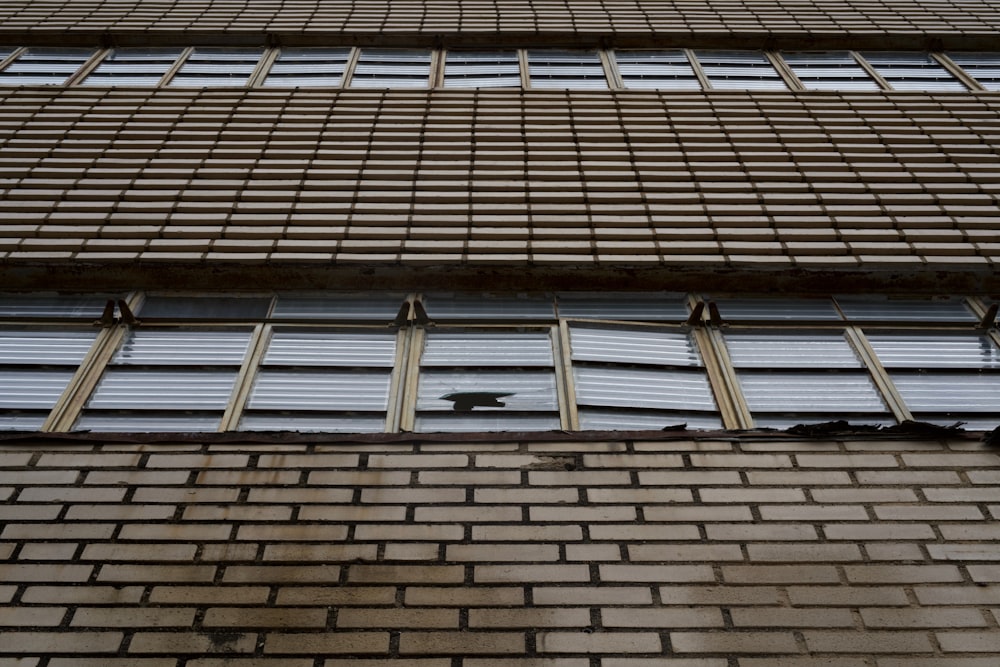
784 71
397 382
169 74
415 346
893 399
12 57
611 69
88 67
244 381
522 60
565 393
722 378
872 72
698 71
263 67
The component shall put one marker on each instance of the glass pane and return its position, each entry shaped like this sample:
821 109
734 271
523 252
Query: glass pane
320 390
833 393
453 391
484 422
656 70
131 389
643 388
331 348
32 305
950 392
217 66
643 307
829 70
482 69
549 68
983 67
935 351
630 420
45 347
205 307
44 66
633 346
739 70
915 310
34 389
308 67
148 422
464 307
477 349
312 423
912 71
392 68
183 347
22 421
356 307
133 67
780 350
777 309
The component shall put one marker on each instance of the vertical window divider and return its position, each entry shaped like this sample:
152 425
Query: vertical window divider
407 421
12 57
878 373
565 391
244 381
784 71
263 67
722 378
169 74
698 71
437 68
394 410
522 61
88 67
611 72
957 72
352 63
883 84
68 407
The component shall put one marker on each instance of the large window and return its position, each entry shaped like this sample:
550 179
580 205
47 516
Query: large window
385 362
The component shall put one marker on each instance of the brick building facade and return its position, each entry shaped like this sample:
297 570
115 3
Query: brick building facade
363 333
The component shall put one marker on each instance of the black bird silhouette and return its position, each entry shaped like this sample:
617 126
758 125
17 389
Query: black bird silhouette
466 400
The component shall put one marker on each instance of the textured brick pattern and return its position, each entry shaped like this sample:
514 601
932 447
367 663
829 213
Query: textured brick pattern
778 180
564 554
523 16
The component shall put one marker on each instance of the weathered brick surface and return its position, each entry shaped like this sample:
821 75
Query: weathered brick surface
889 560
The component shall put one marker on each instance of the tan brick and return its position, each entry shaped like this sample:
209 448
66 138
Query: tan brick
125 595
298 532
650 532
878 531
586 478
685 552
656 573
197 461
61 642
126 617
663 617
507 533
354 662
327 642
41 617
320 552
695 478
636 496
733 642
438 532
48 494
286 617
799 478
461 643
280 574
552 617
139 552
67 531
901 574
530 573
468 478
359 478
477 513
779 574
479 596
334 596
848 596
397 618
308 461
502 552
867 642
923 618
209 595
431 574
791 553
593 595
765 617
579 514
762 532
414 495
42 551
29 512
598 642
56 572
108 662
645 461
421 461
301 496
709 495
120 512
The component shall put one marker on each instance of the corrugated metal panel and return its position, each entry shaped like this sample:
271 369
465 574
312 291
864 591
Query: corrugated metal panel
44 66
643 307
950 392
127 389
983 67
32 389
212 66
482 69
145 422
205 307
609 420
666 70
912 71
481 348
781 350
528 391
183 347
935 351
326 391
369 307
914 310
566 69
829 70
331 348
643 388
133 67
30 305
484 422
813 392
312 423
392 68
45 346
633 346
465 307
739 70
777 309
308 67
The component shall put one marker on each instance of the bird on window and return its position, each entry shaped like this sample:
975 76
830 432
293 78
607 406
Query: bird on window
466 400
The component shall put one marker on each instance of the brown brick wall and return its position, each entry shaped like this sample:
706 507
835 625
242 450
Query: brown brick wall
683 553
503 180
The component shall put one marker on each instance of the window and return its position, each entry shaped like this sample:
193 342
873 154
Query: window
44 66
308 67
217 66
912 71
482 69
983 67
133 67
565 69
739 70
829 70
392 68
664 70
